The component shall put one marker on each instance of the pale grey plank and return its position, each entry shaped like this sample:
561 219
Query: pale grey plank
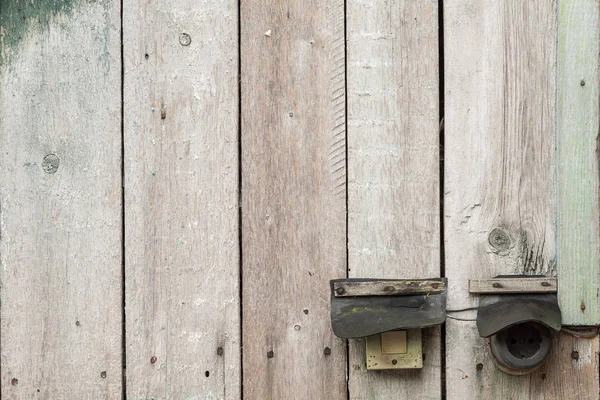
60 200
578 159
500 185
294 193
181 197
393 170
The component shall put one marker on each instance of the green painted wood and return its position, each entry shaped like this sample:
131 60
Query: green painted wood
578 162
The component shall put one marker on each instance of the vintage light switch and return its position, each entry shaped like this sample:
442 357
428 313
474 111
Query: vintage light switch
401 349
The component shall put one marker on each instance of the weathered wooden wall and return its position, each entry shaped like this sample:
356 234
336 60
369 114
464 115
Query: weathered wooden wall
500 187
179 182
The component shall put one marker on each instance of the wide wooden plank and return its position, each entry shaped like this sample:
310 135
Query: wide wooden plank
393 169
293 197
500 201
60 200
578 159
181 196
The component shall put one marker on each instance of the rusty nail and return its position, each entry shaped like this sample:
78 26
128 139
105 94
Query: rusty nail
220 351
270 354
394 362
14 381
582 83
163 114
582 306
422 307
497 285
435 285
103 374
305 311
575 355
152 359
327 351
340 290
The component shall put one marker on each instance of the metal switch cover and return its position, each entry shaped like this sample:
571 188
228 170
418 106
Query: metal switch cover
395 350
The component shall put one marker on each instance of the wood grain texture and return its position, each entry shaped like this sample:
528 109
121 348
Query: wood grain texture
393 170
181 197
294 194
578 161
60 200
387 287
500 201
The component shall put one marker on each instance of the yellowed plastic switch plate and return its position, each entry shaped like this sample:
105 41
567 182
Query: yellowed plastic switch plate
393 342
395 350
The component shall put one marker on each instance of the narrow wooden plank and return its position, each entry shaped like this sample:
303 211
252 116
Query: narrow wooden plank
294 194
181 186
394 287
500 202
513 285
393 169
60 199
578 159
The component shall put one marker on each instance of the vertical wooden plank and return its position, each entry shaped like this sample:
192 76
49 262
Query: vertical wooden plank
181 197
578 159
393 169
500 186
294 193
60 199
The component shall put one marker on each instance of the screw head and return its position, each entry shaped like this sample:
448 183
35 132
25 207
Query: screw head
220 351
50 163
152 359
270 354
103 374
185 39
340 290
327 351
394 362
575 355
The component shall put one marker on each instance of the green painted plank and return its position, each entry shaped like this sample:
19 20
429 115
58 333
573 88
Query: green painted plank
578 160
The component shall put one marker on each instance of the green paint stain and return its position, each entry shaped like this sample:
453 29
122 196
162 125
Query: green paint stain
18 16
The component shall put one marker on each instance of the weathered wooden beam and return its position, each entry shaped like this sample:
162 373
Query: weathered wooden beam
293 196
387 288
513 285
578 161
181 196
393 169
60 200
